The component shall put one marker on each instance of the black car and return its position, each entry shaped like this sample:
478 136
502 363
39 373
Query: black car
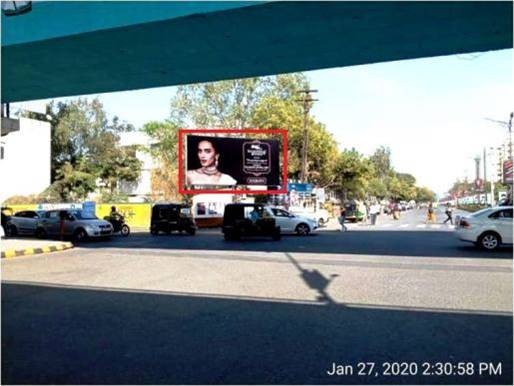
172 217
241 220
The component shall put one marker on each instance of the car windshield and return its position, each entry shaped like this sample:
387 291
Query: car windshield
79 215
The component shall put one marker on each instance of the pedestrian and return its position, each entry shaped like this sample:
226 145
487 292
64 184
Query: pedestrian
373 212
448 213
430 213
342 219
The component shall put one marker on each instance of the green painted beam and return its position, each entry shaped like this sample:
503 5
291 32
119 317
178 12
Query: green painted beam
63 49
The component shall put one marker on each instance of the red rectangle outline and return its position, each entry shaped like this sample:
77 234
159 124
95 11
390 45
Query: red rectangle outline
182 132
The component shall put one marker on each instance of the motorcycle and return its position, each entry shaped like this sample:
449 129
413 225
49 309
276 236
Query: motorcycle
118 225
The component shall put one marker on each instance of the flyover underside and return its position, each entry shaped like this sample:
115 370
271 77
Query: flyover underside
264 39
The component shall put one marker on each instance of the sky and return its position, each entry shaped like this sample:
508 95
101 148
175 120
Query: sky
430 112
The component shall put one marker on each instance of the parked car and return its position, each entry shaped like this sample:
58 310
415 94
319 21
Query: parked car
24 222
291 223
243 220
487 228
77 224
172 217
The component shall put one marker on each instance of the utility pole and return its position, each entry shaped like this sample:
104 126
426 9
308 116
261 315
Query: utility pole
485 175
477 177
307 104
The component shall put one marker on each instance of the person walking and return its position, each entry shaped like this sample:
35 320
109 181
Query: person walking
430 214
342 219
448 213
373 212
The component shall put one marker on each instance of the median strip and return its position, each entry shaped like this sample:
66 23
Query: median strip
33 251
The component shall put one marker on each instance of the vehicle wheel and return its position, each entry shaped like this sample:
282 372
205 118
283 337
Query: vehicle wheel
12 231
80 235
277 235
489 241
40 233
321 222
125 230
191 231
302 229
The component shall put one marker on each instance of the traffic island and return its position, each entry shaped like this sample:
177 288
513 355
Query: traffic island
26 247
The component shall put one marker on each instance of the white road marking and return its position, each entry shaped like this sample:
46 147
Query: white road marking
421 226
404 225
435 226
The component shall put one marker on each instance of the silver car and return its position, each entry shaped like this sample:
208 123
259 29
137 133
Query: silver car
24 222
76 224
290 223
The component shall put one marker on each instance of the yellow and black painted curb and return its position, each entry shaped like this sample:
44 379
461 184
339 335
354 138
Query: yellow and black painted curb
34 251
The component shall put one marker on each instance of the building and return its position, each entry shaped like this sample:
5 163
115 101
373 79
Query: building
25 159
140 190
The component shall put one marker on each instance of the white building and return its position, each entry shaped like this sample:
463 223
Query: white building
25 163
140 190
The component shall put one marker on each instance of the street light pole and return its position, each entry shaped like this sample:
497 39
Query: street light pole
306 101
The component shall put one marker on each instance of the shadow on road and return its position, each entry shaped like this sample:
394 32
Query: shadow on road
376 242
61 335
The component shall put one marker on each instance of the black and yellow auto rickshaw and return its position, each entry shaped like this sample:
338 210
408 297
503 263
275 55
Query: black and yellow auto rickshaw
243 220
167 218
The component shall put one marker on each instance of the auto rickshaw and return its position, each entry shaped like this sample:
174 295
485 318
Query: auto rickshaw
172 217
241 220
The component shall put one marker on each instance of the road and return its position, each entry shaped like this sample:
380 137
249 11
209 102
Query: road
182 309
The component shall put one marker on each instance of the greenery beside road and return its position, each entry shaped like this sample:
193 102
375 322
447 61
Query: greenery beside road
87 156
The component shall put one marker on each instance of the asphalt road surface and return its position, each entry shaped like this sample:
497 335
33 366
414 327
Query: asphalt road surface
405 296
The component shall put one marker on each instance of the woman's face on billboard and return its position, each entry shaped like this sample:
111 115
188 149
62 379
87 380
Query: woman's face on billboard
206 154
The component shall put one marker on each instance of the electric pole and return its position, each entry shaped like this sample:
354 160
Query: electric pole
307 104
485 175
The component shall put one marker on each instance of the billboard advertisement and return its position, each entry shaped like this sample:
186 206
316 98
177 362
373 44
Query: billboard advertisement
221 163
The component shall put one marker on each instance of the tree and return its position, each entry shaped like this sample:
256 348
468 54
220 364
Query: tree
85 147
229 103
425 195
164 179
381 161
352 173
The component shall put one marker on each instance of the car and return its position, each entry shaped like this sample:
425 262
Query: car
77 224
290 223
487 228
243 220
172 217
317 213
24 222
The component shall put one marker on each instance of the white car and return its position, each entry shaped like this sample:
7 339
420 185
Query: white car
318 214
487 228
290 223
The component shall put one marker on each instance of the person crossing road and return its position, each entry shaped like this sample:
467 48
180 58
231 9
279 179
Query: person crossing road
448 213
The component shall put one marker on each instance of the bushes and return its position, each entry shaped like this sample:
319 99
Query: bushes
471 207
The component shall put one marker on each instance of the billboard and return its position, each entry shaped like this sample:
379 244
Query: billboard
223 164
